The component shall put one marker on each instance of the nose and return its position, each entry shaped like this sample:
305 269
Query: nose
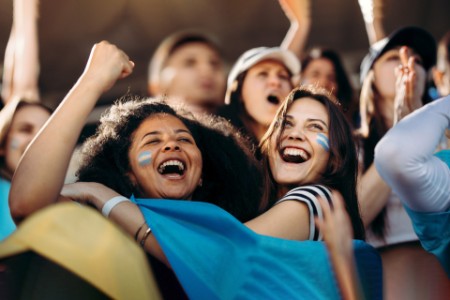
206 69
274 81
171 146
296 134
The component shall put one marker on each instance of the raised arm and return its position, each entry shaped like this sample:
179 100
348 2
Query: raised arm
21 63
40 175
404 158
372 12
299 14
373 190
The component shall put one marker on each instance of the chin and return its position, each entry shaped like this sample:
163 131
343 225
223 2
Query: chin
177 196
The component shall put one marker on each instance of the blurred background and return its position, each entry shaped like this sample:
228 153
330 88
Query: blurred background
69 28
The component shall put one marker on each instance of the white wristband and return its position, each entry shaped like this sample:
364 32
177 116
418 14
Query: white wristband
111 203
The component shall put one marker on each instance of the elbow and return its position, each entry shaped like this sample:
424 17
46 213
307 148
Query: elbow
18 208
19 205
389 157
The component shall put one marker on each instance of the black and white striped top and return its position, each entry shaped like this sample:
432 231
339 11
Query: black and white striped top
308 194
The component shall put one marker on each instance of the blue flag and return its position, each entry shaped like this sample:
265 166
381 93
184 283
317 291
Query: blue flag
217 257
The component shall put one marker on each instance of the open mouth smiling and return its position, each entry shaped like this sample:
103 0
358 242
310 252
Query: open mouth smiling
273 99
294 155
172 167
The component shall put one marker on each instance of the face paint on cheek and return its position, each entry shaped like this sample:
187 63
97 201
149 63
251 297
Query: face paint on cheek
14 144
323 141
144 158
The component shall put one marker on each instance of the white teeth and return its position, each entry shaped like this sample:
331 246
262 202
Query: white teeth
296 152
171 163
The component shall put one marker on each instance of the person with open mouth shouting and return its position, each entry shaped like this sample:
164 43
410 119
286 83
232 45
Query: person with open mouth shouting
257 84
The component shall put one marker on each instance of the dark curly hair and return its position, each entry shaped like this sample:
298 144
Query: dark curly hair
231 176
342 168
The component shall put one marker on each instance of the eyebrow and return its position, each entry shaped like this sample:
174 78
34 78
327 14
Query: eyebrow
156 132
309 120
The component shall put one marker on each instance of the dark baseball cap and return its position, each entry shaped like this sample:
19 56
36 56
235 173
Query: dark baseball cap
420 40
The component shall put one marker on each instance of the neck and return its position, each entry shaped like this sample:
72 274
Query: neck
256 129
282 190
386 107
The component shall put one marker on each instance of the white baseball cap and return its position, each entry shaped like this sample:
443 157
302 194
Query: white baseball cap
253 56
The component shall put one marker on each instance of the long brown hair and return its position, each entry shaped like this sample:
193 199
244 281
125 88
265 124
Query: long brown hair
342 168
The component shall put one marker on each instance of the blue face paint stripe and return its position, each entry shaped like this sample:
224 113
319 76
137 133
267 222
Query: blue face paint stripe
14 144
323 141
144 158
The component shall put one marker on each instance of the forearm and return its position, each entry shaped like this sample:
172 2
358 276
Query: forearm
404 157
372 12
26 54
8 67
347 276
299 14
47 158
373 194
296 37
375 30
129 217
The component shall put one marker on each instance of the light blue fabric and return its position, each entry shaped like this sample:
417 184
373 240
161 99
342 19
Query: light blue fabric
7 225
216 257
433 230
444 155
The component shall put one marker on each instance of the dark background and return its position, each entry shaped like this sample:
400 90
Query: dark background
69 28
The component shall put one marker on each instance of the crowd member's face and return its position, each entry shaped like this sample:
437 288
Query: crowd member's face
25 125
321 72
264 88
164 158
301 155
442 80
195 73
384 69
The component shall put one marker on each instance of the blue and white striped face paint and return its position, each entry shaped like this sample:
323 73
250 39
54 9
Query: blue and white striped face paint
323 141
14 144
145 158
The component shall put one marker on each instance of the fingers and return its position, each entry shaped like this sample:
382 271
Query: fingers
338 201
326 209
404 56
406 75
410 80
127 69
321 223
106 64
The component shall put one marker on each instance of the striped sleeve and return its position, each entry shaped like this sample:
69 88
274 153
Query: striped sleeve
309 195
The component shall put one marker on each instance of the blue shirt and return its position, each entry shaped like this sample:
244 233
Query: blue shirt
7 225
433 230
444 155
